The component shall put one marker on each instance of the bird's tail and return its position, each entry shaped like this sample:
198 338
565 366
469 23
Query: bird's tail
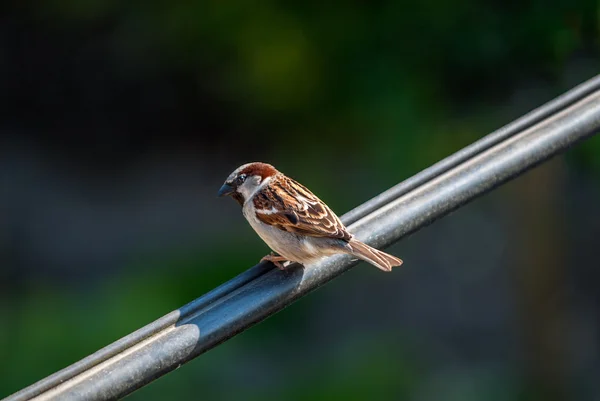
375 257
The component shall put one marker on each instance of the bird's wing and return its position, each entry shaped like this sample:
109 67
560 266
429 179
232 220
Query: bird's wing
289 206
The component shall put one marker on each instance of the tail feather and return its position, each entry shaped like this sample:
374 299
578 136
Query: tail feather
377 258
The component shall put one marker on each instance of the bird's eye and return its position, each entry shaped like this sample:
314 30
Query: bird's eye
241 178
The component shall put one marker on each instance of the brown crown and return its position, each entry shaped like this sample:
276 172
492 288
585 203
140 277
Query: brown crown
263 170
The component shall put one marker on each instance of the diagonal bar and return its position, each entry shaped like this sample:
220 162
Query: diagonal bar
184 334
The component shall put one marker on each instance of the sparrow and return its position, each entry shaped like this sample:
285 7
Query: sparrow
292 221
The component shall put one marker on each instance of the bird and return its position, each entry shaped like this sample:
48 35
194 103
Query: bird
292 221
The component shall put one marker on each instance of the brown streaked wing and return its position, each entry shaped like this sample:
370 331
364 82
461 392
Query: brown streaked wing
289 206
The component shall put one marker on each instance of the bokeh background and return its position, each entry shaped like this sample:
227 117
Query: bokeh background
119 121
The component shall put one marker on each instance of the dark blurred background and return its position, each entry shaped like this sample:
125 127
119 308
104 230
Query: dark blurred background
119 121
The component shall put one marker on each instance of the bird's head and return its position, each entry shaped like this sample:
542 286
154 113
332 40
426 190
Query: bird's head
246 180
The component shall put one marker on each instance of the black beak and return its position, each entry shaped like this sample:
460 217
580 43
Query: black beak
225 190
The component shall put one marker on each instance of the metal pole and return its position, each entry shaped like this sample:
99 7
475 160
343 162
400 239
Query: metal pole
528 120
182 335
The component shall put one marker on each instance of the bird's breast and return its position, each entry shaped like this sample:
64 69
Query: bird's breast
289 245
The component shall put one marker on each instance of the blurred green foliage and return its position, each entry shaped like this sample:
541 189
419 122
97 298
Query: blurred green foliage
383 75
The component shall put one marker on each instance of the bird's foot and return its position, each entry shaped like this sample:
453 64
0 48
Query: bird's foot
276 260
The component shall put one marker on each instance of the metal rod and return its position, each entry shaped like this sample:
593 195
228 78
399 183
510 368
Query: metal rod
165 344
528 120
